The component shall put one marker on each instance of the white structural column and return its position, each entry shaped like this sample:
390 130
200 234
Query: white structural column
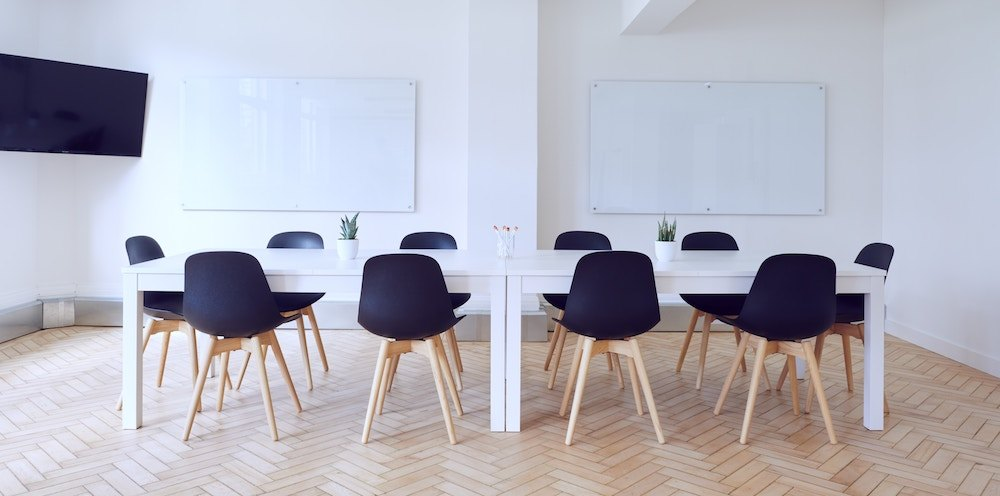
131 352
503 121
503 171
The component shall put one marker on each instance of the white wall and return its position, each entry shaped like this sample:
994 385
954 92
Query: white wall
503 121
99 201
942 170
18 177
836 43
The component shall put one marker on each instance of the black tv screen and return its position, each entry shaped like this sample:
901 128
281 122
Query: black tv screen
58 107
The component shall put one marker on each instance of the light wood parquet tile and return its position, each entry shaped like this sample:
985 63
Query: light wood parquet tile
59 433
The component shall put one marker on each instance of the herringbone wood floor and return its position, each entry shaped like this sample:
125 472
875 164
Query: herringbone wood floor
59 433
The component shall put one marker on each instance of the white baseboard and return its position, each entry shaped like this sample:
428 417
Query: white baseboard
961 354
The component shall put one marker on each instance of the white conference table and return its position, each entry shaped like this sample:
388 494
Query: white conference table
505 281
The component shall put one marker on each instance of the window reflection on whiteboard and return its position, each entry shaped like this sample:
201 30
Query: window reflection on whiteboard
306 144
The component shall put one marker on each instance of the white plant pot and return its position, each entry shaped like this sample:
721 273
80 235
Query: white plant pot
665 250
347 249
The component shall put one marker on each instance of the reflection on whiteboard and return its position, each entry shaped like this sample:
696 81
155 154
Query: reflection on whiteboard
710 148
307 144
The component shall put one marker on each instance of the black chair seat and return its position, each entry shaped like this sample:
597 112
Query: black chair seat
850 308
293 302
167 305
716 304
459 299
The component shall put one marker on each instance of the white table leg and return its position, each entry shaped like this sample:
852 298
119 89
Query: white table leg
875 354
513 366
131 353
498 353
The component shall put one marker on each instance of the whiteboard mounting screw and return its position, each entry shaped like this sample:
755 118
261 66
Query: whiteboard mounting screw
595 209
708 85
708 209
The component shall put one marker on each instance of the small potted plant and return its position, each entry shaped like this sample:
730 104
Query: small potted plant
347 244
666 231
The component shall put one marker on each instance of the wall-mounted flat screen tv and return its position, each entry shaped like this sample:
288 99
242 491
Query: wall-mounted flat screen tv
58 107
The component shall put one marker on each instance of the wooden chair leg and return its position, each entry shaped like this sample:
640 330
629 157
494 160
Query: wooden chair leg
552 342
824 407
634 379
449 335
163 357
758 368
198 388
557 356
283 368
308 312
618 368
573 371
222 383
446 371
392 372
445 411
383 389
265 388
740 353
647 389
453 342
687 338
300 323
736 334
585 354
706 326
791 368
380 364
848 365
243 370
193 345
611 361
819 352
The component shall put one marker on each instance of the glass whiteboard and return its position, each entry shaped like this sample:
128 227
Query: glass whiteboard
299 144
708 148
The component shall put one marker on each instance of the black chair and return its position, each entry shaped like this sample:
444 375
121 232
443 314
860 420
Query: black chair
851 314
708 306
611 301
165 309
227 296
299 303
571 240
793 298
429 240
405 301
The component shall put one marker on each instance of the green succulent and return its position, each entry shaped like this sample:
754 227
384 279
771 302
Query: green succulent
666 231
349 228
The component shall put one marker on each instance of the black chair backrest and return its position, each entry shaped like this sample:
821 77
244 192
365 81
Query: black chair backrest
428 241
142 249
226 294
576 240
582 240
878 255
709 240
404 296
296 239
613 296
793 297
